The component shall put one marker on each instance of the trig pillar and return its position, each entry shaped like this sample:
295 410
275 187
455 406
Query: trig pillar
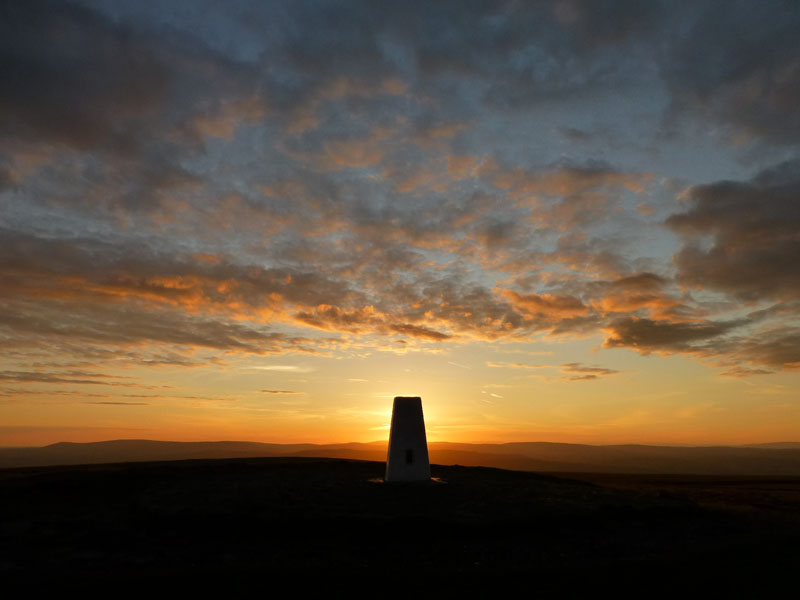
408 446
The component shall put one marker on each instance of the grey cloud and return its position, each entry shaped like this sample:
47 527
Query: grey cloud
87 85
56 327
639 282
646 335
98 87
97 84
71 377
84 267
738 63
776 348
420 331
512 55
752 227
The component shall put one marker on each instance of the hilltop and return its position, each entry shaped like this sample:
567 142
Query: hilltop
310 522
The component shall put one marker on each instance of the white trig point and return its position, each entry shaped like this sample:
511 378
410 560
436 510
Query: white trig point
408 445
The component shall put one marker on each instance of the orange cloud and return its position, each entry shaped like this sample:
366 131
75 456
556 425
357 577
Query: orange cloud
566 181
461 167
326 316
546 305
658 306
222 120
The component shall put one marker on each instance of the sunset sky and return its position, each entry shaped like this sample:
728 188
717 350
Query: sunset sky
573 221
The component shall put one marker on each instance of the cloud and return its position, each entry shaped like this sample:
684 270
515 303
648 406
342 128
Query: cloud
326 316
71 377
284 368
46 325
564 195
645 335
514 365
737 64
86 270
121 403
566 180
184 184
640 282
546 306
91 85
770 347
741 237
740 372
99 84
572 371
644 293
738 347
460 366
420 331
579 372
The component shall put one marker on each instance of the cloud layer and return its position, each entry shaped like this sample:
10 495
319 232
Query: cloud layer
315 177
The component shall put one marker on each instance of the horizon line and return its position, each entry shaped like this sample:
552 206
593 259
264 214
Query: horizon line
476 443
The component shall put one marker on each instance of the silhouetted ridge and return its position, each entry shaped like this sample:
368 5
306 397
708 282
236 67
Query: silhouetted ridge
765 459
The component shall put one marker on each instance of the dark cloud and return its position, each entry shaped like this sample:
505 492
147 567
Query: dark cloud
580 372
92 84
646 335
123 104
97 84
775 348
738 64
420 331
65 329
640 282
6 180
752 228
580 368
90 269
121 403
72 377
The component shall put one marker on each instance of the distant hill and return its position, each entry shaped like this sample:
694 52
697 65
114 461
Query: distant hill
782 445
70 453
764 459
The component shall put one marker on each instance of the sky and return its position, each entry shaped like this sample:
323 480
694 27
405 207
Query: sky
567 221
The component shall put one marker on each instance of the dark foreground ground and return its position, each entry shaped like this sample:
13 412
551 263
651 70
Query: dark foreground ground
315 523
